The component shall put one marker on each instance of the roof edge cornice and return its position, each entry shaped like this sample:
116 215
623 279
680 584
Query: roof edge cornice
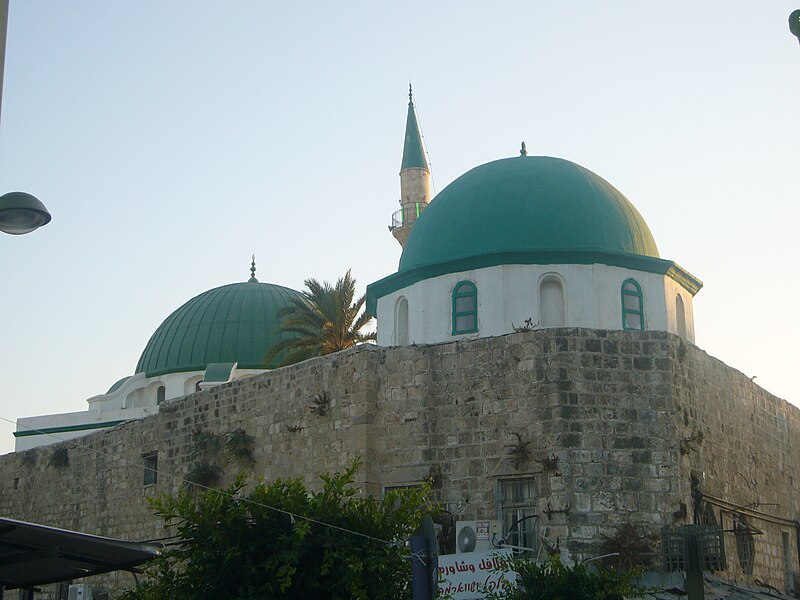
404 279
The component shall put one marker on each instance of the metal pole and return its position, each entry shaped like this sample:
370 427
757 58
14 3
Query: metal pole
3 32
420 582
694 565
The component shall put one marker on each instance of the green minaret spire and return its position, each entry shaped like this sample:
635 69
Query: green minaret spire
413 153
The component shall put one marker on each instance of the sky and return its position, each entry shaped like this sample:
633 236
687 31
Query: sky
172 140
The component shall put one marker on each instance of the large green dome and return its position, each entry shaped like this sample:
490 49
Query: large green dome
527 209
231 323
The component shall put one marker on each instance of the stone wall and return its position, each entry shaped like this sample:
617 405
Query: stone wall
742 447
613 426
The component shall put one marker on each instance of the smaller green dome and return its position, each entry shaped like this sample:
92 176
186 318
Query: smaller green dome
234 323
522 206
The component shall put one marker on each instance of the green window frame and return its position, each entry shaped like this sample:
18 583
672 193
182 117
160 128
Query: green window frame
632 302
465 308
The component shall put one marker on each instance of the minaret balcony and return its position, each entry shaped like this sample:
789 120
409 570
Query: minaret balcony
407 215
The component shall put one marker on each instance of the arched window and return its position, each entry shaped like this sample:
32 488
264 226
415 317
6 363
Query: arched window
190 385
632 306
552 312
465 308
680 316
161 394
401 323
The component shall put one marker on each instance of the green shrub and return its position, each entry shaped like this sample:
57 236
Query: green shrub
552 580
278 540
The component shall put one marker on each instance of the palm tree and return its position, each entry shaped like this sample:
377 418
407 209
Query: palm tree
325 319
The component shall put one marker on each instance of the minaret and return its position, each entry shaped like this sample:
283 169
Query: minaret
415 178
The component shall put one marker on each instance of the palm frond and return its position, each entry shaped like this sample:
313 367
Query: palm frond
325 319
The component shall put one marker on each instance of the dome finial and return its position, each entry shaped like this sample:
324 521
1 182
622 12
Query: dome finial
253 271
524 150
410 94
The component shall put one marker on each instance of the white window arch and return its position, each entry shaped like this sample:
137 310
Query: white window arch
680 316
401 333
155 393
190 386
552 305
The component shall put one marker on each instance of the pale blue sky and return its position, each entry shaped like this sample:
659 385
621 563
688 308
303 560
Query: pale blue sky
172 140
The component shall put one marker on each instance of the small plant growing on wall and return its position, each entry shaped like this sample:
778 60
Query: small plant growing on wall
550 465
692 443
632 546
206 471
204 474
519 451
206 443
322 404
59 459
239 446
28 458
682 351
528 325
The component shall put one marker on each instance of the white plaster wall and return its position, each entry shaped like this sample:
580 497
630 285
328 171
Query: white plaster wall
139 391
509 294
134 399
671 289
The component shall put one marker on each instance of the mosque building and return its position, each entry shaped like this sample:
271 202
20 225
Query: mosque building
517 243
535 364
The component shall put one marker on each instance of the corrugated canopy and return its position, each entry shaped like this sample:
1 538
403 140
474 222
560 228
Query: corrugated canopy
33 554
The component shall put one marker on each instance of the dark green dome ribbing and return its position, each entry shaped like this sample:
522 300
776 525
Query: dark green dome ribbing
232 323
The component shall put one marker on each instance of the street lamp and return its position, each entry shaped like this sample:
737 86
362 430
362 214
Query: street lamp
19 211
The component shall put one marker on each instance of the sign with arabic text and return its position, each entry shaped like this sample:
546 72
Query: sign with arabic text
470 575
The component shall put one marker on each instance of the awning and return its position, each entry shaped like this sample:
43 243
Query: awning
33 554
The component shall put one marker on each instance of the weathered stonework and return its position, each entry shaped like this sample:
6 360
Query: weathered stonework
631 417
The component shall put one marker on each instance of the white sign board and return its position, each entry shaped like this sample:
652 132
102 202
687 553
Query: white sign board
469 575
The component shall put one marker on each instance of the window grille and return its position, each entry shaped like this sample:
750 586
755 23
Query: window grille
745 548
150 462
517 513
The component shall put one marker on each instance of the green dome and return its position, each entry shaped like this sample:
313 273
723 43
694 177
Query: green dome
231 323
527 209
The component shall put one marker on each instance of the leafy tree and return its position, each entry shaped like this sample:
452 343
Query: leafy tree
552 580
248 546
327 318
